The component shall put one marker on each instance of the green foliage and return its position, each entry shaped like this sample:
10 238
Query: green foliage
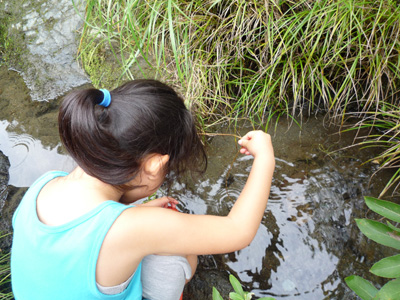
256 58
389 267
4 40
5 275
386 120
362 287
238 293
216 295
379 233
259 59
386 209
390 290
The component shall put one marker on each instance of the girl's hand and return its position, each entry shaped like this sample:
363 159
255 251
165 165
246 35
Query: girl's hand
256 143
164 202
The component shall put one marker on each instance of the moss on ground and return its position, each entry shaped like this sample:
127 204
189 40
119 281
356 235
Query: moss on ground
101 66
11 37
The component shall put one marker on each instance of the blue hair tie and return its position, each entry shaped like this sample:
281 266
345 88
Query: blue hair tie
106 99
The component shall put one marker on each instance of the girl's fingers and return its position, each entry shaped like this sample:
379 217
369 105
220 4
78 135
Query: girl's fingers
162 202
244 151
245 139
171 202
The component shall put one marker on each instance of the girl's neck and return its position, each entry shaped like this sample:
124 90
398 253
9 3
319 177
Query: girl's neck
90 183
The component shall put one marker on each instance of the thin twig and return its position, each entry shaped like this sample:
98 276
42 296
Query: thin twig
220 134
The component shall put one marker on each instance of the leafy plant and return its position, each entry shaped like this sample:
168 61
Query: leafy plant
238 293
385 234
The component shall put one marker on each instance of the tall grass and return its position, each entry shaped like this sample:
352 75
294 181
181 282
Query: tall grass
255 58
383 127
258 59
5 275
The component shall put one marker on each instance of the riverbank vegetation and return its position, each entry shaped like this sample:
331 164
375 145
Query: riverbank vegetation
384 233
3 37
5 275
263 59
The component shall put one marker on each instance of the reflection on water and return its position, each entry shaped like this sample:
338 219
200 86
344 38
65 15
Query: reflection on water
307 242
28 132
28 157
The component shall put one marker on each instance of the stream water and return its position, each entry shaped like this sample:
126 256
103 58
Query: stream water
307 242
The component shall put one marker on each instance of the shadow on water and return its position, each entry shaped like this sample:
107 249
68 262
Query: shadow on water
307 242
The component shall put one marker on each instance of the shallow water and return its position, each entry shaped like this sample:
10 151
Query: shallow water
28 132
307 242
29 158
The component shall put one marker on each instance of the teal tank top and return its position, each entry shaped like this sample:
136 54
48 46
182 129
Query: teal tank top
59 262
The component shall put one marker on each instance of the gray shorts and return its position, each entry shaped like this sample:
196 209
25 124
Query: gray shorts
164 277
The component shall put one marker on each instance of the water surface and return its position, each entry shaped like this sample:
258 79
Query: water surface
307 242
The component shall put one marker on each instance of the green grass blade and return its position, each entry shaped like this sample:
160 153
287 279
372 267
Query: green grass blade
216 295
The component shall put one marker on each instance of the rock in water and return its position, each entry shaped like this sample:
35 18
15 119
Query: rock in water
45 42
10 197
4 177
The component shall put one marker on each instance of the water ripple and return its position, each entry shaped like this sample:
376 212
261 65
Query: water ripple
28 157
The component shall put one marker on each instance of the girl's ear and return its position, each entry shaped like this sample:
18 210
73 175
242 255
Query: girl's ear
155 163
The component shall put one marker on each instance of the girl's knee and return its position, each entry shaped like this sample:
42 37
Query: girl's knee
192 260
164 277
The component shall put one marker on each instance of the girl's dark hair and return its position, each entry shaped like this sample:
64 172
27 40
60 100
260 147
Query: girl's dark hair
144 117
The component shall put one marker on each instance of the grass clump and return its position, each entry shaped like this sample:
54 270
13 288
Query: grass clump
5 274
102 72
4 40
256 58
263 59
383 132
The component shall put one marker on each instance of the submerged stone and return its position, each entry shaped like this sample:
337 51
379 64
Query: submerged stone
45 45
4 176
11 202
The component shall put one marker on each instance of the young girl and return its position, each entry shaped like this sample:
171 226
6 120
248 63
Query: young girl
79 235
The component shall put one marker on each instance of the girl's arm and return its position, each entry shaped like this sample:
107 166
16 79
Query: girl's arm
150 230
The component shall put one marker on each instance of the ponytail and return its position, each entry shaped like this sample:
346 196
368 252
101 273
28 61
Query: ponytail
109 134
